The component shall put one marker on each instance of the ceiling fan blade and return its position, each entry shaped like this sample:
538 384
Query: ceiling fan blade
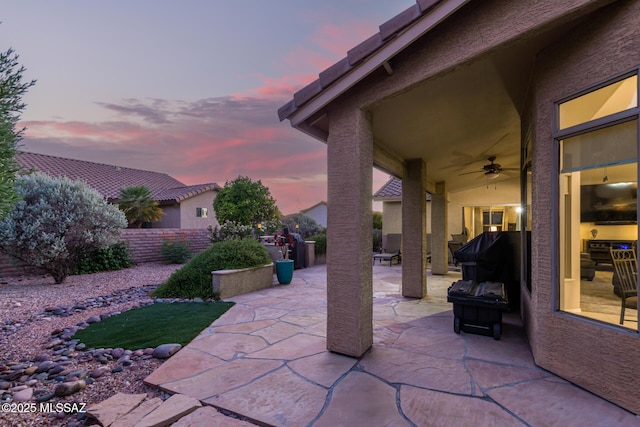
469 173
487 153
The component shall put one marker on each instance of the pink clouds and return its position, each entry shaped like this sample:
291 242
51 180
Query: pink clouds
215 139
210 140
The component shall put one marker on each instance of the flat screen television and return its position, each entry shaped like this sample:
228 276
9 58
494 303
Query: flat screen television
609 203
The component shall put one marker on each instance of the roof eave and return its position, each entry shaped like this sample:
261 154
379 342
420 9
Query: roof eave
298 115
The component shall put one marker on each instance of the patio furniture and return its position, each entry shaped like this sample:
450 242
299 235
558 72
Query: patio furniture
453 247
388 256
625 266
391 244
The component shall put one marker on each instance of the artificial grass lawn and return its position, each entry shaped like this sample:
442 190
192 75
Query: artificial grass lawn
152 325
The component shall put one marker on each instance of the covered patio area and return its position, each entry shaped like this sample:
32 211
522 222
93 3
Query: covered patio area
266 359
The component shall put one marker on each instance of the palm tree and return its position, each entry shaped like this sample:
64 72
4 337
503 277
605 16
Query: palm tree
138 206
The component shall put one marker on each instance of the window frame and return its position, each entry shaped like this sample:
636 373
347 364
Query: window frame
560 134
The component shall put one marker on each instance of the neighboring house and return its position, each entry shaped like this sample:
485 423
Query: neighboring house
318 212
444 93
185 206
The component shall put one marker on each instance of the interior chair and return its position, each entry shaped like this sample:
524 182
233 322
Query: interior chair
625 265
587 267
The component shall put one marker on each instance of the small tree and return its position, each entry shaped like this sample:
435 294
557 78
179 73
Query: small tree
243 202
56 222
307 226
138 206
11 90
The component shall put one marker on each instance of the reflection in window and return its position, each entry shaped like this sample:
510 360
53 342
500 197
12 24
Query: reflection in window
611 99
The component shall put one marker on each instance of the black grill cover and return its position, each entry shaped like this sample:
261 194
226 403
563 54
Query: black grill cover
485 258
298 254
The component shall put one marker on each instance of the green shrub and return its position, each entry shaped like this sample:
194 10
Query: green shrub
56 222
321 243
194 279
377 240
115 257
175 251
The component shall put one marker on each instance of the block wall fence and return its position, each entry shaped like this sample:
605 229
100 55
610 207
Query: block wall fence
144 246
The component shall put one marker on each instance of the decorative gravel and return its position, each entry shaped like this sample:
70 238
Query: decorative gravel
41 364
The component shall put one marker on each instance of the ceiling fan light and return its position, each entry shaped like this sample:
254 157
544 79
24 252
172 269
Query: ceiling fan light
492 174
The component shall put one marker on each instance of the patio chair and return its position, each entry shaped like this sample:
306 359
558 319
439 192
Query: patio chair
388 256
625 265
391 244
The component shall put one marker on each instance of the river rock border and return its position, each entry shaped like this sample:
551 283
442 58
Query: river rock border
52 373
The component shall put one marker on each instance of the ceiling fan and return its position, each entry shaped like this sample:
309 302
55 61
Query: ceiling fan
492 170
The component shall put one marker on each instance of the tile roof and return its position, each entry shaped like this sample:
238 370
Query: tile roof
357 55
180 193
109 179
391 189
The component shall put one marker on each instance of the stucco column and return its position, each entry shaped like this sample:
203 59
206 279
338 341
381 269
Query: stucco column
439 230
414 230
349 233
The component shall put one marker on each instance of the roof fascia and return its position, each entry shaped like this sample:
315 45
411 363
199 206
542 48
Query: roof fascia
439 13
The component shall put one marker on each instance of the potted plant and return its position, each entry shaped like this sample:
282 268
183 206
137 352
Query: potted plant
284 266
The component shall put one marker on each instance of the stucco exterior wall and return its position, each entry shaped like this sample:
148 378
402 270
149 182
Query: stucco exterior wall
391 218
170 219
597 357
188 218
318 213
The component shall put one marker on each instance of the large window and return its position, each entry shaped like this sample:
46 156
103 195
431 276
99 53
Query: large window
597 198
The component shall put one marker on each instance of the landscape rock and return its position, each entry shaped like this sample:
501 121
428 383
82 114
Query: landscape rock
165 351
23 395
65 389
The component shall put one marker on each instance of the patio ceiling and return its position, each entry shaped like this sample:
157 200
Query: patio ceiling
455 123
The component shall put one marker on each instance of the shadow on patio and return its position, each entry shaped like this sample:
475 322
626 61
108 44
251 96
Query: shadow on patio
265 359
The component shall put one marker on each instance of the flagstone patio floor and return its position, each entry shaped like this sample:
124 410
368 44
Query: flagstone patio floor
265 359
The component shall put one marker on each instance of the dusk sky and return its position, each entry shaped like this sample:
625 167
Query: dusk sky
189 88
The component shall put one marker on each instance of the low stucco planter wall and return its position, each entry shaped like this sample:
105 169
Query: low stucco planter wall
228 283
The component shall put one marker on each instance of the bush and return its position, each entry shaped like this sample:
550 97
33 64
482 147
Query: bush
194 279
115 257
56 222
175 250
230 230
377 240
321 243
307 225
